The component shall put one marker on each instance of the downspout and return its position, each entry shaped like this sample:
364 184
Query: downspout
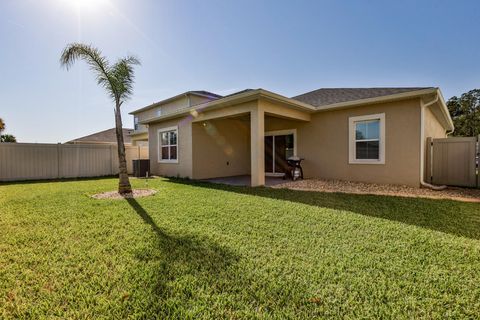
423 106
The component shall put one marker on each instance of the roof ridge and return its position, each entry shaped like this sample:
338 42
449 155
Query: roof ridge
362 88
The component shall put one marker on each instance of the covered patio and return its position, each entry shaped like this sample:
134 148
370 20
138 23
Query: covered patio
229 145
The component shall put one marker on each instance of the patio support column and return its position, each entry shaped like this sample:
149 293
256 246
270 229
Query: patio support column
257 146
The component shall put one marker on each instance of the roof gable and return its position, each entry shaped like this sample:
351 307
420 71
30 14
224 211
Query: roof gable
199 93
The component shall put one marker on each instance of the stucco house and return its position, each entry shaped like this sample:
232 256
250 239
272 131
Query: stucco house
373 135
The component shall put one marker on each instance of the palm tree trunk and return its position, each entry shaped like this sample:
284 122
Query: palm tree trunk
124 186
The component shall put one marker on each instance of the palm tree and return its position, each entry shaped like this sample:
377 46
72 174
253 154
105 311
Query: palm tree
118 81
2 125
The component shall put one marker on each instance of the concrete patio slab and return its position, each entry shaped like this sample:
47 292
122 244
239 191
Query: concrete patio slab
244 180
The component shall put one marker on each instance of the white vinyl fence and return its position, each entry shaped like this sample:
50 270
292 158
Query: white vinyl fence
35 161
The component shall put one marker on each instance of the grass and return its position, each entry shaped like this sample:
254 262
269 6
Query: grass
198 250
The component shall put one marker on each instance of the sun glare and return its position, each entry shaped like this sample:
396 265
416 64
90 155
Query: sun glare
85 4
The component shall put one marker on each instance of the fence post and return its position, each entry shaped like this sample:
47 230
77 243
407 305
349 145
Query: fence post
58 160
111 159
477 156
429 160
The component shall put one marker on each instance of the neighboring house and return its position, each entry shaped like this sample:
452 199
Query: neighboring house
373 135
104 137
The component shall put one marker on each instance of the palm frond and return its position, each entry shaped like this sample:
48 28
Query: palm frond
93 57
123 74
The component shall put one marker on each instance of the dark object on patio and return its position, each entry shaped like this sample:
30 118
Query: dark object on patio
141 167
295 170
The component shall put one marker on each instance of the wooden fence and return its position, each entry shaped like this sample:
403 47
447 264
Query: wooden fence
35 161
452 161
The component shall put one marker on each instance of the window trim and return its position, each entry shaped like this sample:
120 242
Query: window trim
352 146
159 145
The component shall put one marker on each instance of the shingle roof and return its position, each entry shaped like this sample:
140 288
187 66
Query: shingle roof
238 92
106 136
206 93
326 96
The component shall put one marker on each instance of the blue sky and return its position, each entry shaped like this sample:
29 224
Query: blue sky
288 47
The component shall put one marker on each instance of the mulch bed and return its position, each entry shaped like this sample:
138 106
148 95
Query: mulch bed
453 193
137 193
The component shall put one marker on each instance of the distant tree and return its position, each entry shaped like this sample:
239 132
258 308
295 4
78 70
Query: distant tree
7 138
465 112
117 80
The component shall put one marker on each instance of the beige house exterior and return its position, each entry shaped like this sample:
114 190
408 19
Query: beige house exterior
375 135
139 135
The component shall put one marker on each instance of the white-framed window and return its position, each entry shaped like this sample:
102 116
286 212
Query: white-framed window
367 139
168 145
135 122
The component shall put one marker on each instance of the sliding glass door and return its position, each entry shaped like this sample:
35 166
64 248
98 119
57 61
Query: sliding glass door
278 148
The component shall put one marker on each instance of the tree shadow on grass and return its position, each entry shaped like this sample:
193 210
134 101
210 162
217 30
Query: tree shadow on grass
177 269
448 216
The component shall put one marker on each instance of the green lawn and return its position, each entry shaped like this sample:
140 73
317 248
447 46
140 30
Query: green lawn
198 250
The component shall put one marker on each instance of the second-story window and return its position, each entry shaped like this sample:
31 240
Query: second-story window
135 122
